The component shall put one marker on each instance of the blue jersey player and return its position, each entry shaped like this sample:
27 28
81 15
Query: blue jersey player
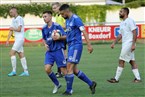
74 29
54 46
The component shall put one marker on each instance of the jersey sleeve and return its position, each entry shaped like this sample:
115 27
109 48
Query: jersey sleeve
79 24
61 30
132 25
20 22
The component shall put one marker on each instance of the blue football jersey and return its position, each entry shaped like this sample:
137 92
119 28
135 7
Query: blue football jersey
46 35
73 31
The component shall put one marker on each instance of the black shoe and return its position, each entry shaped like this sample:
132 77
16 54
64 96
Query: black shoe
66 93
136 80
113 80
93 87
59 75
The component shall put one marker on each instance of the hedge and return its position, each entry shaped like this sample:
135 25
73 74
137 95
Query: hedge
95 11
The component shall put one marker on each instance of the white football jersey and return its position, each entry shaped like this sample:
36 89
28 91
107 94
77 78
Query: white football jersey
16 22
126 28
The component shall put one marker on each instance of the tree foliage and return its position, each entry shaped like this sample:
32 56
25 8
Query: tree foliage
98 12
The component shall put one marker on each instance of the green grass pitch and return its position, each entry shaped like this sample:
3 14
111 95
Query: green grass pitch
99 66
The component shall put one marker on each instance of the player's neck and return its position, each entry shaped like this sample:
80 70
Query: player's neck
16 16
70 15
49 24
125 18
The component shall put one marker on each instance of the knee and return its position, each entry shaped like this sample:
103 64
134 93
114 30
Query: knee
76 71
121 63
47 70
133 64
12 53
21 55
64 71
70 68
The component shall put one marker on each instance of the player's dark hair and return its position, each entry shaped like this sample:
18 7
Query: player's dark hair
14 8
56 3
126 10
48 12
64 7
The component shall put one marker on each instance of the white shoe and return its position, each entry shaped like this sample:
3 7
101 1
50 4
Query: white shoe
71 91
56 89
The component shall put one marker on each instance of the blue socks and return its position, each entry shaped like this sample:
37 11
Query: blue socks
53 78
69 79
84 78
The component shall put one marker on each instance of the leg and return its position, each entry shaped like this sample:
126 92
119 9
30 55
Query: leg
119 69
69 78
51 74
135 71
24 64
13 62
63 70
61 63
84 78
53 78
59 73
118 72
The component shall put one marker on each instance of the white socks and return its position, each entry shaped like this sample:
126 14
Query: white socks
118 73
136 74
24 64
13 62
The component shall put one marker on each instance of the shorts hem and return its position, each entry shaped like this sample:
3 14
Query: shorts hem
73 62
17 50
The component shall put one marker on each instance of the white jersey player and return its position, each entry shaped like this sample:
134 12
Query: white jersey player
129 36
17 27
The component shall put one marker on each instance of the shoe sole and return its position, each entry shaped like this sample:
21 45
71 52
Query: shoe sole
12 75
112 81
23 75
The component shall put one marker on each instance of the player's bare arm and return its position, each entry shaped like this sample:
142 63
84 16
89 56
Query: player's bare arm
90 48
119 37
46 46
134 40
16 29
9 36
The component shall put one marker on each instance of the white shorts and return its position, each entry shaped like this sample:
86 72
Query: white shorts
126 53
18 46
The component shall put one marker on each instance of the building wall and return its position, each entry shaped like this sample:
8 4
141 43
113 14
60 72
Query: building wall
137 14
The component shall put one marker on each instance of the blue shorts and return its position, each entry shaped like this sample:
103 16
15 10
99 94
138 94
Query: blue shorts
55 56
74 53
